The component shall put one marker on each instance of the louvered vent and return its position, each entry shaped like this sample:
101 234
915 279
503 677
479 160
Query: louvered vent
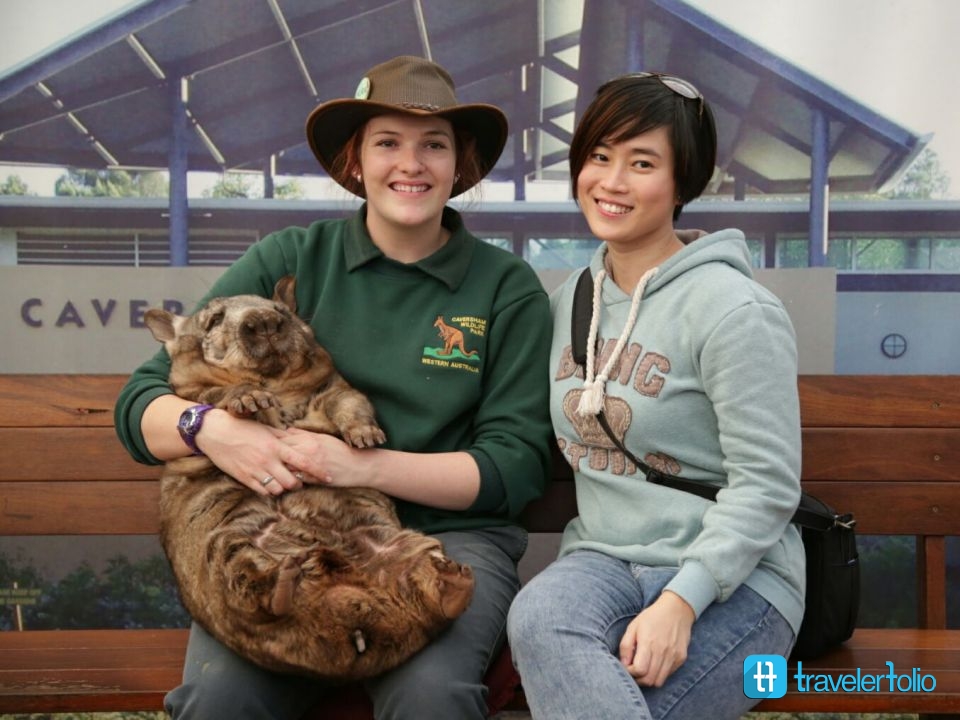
65 246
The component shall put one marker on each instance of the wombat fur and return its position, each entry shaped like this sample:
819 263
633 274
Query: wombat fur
320 581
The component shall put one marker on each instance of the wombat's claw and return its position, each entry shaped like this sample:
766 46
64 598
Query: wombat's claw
243 404
364 436
359 641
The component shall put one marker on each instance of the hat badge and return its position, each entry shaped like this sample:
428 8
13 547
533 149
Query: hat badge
363 89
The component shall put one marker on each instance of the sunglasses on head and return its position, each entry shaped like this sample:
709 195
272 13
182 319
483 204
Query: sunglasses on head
678 85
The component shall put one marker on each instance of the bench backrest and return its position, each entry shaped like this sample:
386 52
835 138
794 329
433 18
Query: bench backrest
886 448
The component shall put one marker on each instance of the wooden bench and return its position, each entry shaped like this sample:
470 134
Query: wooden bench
886 448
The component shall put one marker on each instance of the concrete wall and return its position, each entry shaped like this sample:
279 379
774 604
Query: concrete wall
70 319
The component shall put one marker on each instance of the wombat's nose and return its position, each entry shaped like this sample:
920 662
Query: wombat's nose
263 324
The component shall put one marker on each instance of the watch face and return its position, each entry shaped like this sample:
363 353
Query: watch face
188 420
189 425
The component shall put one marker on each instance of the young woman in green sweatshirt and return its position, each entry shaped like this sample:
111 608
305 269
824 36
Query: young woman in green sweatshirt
468 428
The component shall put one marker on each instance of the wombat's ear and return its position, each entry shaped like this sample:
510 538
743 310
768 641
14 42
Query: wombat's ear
160 323
283 292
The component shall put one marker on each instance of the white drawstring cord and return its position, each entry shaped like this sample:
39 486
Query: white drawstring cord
591 401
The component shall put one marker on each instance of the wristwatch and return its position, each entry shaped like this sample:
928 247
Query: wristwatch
191 420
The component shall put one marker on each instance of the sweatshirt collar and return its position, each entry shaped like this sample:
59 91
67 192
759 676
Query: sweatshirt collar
449 264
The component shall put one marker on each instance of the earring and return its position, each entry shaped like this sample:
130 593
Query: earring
358 177
456 178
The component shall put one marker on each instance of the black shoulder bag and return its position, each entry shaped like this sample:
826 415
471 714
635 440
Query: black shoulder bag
833 566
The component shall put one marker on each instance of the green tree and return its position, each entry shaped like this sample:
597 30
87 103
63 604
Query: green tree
247 185
71 603
887 561
141 594
291 190
924 179
232 185
126 594
14 185
111 183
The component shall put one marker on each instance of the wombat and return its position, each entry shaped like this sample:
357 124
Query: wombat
320 581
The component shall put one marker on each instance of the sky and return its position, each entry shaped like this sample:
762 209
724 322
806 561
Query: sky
897 57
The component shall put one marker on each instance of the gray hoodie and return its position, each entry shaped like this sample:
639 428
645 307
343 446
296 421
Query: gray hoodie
705 388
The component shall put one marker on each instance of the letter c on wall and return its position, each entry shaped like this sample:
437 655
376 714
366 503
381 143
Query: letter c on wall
25 309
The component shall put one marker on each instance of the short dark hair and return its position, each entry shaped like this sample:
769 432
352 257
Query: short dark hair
347 162
630 105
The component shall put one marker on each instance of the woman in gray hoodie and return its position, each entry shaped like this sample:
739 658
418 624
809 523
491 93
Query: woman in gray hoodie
659 596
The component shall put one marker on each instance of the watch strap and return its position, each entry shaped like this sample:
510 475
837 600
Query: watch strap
191 420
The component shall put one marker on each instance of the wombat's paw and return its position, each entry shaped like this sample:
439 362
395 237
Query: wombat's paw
456 586
247 400
363 435
281 600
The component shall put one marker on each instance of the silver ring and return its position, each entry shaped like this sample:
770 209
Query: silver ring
298 475
267 480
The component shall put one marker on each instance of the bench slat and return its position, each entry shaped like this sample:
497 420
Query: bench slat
932 506
875 454
128 507
89 670
72 508
934 652
884 508
879 401
90 664
826 400
881 454
58 400
105 640
83 453
95 453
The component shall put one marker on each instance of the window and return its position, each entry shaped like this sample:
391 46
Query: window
560 253
876 254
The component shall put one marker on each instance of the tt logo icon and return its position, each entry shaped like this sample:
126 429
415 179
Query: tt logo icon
765 676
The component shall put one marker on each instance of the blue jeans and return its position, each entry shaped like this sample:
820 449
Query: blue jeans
444 680
565 628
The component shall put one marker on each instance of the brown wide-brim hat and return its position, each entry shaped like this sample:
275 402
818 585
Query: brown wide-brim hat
412 86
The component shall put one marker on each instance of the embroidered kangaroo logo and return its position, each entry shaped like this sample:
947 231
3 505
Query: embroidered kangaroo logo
452 338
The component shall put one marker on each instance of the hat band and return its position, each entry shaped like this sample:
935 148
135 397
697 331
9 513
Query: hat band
420 106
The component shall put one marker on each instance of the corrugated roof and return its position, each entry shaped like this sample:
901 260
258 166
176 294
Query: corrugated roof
253 70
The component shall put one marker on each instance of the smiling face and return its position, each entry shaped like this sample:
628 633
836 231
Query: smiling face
408 164
627 189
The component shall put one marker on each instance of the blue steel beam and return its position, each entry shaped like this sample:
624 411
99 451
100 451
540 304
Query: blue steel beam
819 188
178 165
72 51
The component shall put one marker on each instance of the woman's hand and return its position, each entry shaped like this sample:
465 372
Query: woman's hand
327 460
448 480
656 641
251 453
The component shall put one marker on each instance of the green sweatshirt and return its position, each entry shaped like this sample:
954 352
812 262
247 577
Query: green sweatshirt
381 321
706 388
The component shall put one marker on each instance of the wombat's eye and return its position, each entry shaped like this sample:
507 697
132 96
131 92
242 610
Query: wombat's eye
213 321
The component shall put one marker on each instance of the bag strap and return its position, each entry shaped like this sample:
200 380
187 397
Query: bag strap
580 317
810 513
